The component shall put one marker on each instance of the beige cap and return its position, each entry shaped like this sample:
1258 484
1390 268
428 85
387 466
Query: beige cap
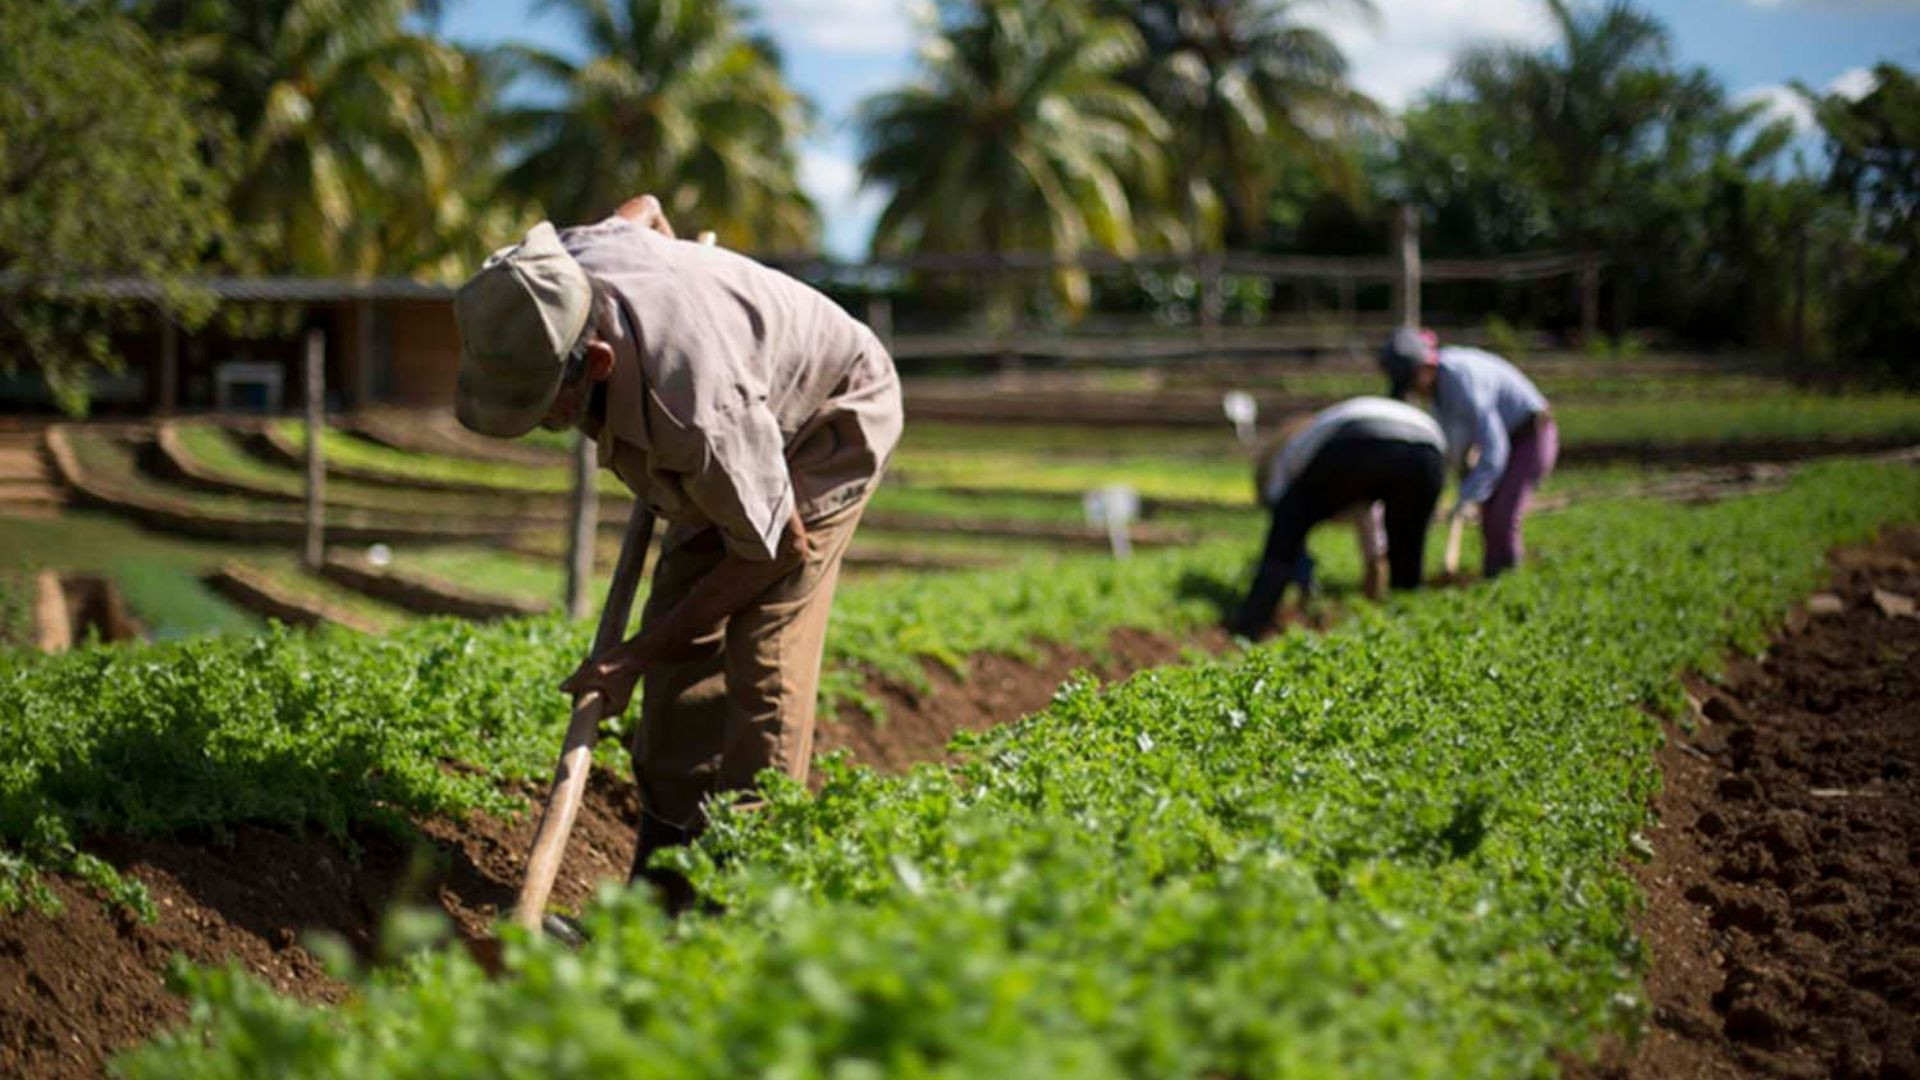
518 317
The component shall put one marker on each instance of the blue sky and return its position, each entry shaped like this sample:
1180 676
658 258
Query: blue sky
839 51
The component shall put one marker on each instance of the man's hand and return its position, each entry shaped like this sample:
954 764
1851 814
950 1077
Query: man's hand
614 675
645 211
796 543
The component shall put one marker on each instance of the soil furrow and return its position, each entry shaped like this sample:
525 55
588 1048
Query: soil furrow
1783 915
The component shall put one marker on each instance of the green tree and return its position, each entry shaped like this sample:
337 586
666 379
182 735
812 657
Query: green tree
1593 120
364 147
1600 143
1247 90
673 99
104 171
1874 143
1019 135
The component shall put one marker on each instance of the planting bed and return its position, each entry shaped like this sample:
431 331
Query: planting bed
77 986
1392 848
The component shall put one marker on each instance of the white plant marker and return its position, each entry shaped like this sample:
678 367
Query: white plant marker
1115 506
1241 412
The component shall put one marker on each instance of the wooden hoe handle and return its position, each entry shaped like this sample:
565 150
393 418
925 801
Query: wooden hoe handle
1450 558
583 731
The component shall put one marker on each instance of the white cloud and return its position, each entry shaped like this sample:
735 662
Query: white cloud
847 211
1780 102
1412 44
862 27
1853 83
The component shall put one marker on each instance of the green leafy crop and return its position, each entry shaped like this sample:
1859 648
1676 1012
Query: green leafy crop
1390 850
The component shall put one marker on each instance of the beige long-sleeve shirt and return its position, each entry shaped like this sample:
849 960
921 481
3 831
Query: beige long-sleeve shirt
738 393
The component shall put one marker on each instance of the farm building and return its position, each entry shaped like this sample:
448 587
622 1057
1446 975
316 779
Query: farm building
388 341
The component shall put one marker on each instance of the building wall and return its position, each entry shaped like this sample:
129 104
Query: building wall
422 356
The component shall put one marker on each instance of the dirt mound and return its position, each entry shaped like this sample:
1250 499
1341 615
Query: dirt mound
80 986
1784 895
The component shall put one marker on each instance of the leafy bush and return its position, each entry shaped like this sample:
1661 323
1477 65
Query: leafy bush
1390 850
330 729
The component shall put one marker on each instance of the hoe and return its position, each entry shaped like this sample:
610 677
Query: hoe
576 758
583 731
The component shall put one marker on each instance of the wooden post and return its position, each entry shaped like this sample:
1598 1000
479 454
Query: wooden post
583 528
880 319
52 620
1800 298
1589 298
316 383
1207 267
1349 317
169 365
1406 299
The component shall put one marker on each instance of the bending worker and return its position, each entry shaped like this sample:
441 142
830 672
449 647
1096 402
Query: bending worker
747 410
1486 406
1377 461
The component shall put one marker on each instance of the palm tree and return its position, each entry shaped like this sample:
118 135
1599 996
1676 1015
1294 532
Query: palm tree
1018 136
675 100
358 150
1244 86
1585 108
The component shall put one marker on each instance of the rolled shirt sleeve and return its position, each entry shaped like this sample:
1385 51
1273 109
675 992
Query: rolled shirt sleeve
1490 435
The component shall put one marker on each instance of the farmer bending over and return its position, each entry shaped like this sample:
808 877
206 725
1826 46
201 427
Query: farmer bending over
1380 463
746 409
1484 405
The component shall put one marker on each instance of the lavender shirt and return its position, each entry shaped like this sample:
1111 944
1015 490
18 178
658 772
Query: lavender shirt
1479 398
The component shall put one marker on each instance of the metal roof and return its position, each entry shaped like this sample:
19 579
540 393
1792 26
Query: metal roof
285 290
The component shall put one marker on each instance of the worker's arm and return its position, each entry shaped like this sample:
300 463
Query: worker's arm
645 211
1490 440
731 585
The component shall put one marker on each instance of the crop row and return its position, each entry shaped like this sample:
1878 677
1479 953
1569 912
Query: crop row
329 729
1394 849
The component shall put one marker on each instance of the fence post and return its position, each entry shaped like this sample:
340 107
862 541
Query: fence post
583 528
1406 247
316 390
1349 316
1207 268
880 319
1589 298
1800 299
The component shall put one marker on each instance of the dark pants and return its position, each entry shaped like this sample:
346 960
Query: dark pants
1406 477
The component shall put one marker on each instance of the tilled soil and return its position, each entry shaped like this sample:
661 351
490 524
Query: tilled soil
77 987
1783 912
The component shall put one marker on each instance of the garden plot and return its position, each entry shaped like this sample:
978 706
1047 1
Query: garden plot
1226 842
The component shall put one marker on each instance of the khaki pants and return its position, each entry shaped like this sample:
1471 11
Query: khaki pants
744 699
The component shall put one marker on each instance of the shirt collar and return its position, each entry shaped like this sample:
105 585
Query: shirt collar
626 387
